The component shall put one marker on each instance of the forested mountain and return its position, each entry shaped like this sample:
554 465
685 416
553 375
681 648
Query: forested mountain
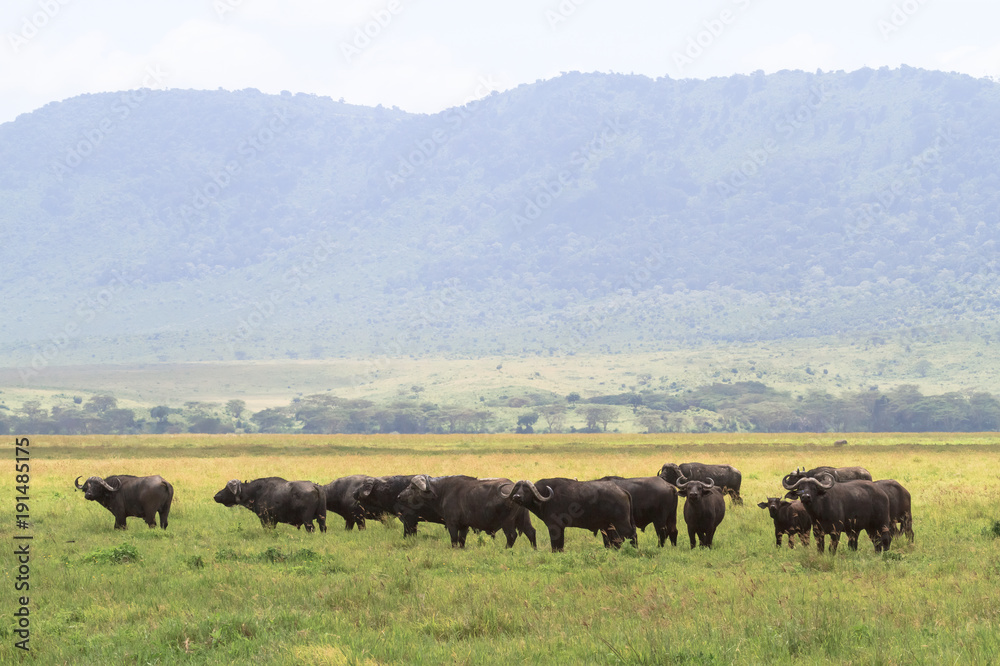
590 212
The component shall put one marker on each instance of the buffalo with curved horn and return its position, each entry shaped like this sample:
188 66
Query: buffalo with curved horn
275 500
125 495
590 505
464 503
838 473
848 506
379 495
704 509
728 478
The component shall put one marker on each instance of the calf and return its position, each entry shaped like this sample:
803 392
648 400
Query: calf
790 518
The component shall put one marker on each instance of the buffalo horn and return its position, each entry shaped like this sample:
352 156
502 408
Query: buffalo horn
77 483
508 493
420 481
538 494
681 482
710 484
107 485
788 485
234 487
826 486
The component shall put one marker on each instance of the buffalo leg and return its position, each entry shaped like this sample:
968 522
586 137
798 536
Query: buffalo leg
777 539
349 524
693 536
164 513
834 540
462 533
529 531
120 522
661 534
820 539
556 537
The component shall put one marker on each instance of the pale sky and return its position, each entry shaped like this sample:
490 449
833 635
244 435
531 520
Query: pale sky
427 55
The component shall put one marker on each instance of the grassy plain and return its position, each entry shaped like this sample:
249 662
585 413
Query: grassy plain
935 361
217 588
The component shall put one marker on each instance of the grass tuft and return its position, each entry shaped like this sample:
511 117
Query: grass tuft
122 554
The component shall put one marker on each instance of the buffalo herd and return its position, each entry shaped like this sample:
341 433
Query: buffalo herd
826 501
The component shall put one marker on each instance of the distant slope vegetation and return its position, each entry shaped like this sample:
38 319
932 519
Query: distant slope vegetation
591 213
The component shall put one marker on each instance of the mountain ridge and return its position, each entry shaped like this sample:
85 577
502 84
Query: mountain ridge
586 213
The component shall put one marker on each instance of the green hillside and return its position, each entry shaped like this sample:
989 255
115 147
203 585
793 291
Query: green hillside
586 214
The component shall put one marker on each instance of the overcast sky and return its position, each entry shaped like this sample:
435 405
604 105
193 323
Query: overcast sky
427 55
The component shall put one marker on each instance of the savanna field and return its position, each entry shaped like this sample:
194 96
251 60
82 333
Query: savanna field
217 588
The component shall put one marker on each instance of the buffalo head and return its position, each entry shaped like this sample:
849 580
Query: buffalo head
365 489
670 473
693 490
230 495
772 505
96 488
807 488
525 493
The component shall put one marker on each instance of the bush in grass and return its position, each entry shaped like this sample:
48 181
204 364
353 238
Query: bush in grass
993 531
121 554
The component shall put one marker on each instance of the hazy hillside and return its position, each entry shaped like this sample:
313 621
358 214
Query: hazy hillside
589 213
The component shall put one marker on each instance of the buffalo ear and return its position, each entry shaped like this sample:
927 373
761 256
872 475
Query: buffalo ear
682 492
762 505
791 494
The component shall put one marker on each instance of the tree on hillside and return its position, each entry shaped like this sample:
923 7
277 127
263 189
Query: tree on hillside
599 414
101 403
554 415
526 422
235 408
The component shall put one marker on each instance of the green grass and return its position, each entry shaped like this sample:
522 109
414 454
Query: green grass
217 588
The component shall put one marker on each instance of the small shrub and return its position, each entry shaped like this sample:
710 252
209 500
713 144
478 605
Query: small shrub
121 554
195 562
993 531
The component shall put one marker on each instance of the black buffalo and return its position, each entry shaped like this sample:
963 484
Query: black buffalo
125 495
838 473
789 518
654 501
465 503
341 500
900 517
276 500
849 507
704 509
379 495
590 505
725 477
